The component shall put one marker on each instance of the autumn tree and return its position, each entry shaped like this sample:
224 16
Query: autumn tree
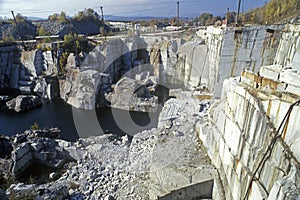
204 19
20 18
87 14
231 17
273 11
53 17
43 32
62 17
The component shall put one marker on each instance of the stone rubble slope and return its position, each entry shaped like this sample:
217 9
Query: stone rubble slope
32 146
153 164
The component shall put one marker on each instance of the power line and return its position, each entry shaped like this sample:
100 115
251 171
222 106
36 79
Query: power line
137 11
171 11
161 4
137 4
33 11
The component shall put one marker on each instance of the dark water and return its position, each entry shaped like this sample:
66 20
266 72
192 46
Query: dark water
76 123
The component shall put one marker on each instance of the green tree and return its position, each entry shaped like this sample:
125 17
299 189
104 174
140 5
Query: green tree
20 18
69 41
8 38
62 17
231 16
87 14
204 17
274 11
74 43
53 17
62 62
43 32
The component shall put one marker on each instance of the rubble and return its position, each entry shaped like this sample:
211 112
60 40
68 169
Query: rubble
32 146
24 103
110 167
129 94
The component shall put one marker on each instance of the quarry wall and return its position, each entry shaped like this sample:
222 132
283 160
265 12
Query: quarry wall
252 134
218 54
232 50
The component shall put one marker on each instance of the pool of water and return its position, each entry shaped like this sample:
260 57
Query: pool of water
76 123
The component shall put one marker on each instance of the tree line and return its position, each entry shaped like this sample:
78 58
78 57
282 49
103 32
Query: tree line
275 11
11 34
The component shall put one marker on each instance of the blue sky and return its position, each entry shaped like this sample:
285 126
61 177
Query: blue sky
167 8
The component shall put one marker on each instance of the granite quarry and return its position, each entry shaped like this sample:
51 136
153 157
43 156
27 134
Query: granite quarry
230 133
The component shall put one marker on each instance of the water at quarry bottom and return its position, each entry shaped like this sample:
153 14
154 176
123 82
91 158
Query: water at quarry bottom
75 123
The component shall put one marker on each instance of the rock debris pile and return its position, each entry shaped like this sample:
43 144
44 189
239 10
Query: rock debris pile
152 164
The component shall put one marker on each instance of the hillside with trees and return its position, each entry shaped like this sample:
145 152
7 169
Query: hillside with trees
23 29
275 11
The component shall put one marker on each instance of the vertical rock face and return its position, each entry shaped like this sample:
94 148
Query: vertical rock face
103 66
252 134
48 63
253 156
289 50
33 61
232 50
189 62
196 63
25 72
220 54
178 62
65 85
9 67
223 53
83 92
20 69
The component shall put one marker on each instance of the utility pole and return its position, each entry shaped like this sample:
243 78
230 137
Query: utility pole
238 13
102 20
23 44
227 16
178 15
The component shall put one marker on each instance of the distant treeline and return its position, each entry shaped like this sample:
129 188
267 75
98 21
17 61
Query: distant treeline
86 21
